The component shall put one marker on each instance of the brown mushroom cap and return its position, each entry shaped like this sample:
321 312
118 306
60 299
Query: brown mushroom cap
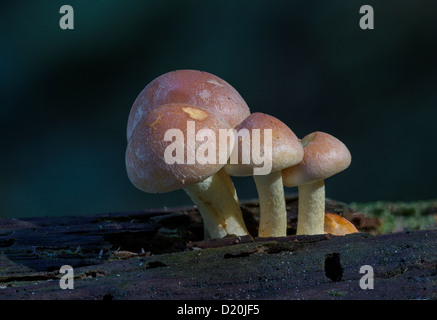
286 149
145 161
196 88
324 156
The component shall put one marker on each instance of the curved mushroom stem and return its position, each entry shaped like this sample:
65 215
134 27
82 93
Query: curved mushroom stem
311 209
226 179
273 214
221 213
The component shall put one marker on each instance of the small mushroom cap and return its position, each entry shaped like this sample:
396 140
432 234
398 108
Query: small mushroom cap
324 156
197 88
146 163
286 149
338 225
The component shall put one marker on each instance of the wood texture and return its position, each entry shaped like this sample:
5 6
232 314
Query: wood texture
160 254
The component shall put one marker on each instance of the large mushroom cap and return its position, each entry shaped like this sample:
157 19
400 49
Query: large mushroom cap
146 164
286 149
324 156
196 88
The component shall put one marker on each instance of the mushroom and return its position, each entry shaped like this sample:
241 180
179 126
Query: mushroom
324 156
193 87
338 225
196 88
148 167
282 149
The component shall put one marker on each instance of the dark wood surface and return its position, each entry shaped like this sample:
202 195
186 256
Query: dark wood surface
161 254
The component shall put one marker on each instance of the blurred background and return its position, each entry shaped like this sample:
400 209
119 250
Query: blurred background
66 94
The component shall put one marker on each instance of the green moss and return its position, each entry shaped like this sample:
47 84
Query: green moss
398 216
335 293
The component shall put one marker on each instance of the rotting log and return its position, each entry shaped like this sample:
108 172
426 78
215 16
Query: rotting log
160 254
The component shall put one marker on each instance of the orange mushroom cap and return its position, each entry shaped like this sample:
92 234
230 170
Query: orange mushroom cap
338 225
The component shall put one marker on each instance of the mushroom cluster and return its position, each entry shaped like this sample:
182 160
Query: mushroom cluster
192 130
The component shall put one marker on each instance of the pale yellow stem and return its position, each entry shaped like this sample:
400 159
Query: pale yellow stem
273 214
311 209
216 202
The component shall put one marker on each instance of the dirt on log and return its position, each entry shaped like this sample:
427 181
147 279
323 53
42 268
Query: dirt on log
161 255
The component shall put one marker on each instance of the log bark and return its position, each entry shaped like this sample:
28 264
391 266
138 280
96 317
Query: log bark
161 254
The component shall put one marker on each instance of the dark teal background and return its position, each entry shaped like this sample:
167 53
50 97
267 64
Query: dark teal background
66 94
